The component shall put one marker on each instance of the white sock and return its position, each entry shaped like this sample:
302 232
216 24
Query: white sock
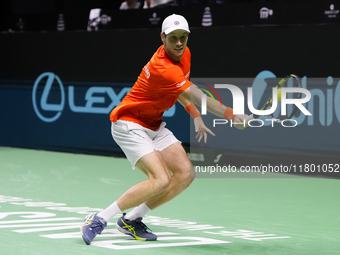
110 212
139 211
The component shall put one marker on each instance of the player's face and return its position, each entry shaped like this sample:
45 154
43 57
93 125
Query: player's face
175 44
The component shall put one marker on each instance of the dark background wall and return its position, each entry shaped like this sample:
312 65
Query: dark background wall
311 50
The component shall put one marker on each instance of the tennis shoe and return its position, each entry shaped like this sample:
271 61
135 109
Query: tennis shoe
92 226
135 228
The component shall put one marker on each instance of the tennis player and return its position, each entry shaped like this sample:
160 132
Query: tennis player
138 128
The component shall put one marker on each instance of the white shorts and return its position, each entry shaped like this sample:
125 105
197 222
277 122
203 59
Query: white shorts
137 141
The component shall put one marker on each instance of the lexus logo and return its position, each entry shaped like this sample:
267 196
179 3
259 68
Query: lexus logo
57 108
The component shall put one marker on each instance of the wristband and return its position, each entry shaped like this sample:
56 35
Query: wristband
228 114
192 110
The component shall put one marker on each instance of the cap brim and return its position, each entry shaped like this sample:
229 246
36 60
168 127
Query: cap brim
169 30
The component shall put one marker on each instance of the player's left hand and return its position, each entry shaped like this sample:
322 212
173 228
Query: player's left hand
239 118
201 129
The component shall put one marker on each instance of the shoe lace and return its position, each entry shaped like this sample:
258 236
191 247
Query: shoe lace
97 227
143 226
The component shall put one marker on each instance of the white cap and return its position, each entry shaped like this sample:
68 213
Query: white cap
174 22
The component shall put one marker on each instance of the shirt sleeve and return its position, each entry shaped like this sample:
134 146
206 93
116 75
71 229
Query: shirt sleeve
173 80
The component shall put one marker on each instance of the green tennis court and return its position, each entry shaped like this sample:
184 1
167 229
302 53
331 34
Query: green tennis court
44 197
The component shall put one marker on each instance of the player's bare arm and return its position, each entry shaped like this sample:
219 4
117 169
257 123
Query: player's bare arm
194 94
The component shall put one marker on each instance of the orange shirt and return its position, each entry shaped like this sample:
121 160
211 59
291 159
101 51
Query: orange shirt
155 91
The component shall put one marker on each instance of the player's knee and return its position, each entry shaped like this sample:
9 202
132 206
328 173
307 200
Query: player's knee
187 175
162 182
189 178
192 173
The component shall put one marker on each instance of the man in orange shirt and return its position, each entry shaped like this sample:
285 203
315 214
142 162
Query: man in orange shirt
138 128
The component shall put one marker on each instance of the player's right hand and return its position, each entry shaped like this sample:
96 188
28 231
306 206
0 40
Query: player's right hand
239 121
